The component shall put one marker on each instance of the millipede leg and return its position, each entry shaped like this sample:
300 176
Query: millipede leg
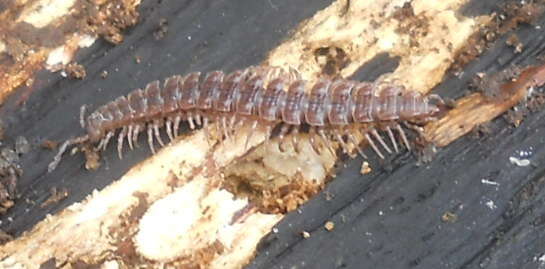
150 138
120 139
190 121
157 134
403 137
339 138
392 138
375 148
326 141
270 73
129 136
251 130
268 131
100 144
106 140
224 125
380 140
169 129
205 130
198 119
240 122
296 75
312 140
177 121
232 122
135 134
283 131
294 141
353 140
416 128
218 127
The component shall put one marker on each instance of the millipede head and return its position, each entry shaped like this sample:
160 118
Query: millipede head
93 126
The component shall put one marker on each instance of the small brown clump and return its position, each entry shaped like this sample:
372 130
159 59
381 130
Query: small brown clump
536 102
331 59
449 217
110 18
49 144
416 26
514 117
76 71
55 196
161 30
8 185
513 41
365 168
92 158
329 225
5 237
481 130
492 85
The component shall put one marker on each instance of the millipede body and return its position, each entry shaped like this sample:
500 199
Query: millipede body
267 97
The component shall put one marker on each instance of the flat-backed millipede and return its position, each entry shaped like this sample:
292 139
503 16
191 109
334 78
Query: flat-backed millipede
269 97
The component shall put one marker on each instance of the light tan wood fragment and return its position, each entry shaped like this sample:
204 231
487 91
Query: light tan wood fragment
190 219
477 109
42 13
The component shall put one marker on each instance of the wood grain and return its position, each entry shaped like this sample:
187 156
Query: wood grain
378 191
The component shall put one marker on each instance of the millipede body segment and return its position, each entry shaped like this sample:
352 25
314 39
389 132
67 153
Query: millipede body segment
262 97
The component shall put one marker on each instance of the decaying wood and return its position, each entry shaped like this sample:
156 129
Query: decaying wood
476 109
88 230
48 33
176 209
425 35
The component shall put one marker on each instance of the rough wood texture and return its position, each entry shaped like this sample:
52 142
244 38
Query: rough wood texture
38 34
394 218
118 215
208 44
477 109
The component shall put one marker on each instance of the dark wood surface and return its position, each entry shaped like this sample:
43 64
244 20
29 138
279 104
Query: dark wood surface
391 218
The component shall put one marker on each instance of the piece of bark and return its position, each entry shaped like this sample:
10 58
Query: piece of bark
476 109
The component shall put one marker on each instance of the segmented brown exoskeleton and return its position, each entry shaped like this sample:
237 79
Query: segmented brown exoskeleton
263 96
